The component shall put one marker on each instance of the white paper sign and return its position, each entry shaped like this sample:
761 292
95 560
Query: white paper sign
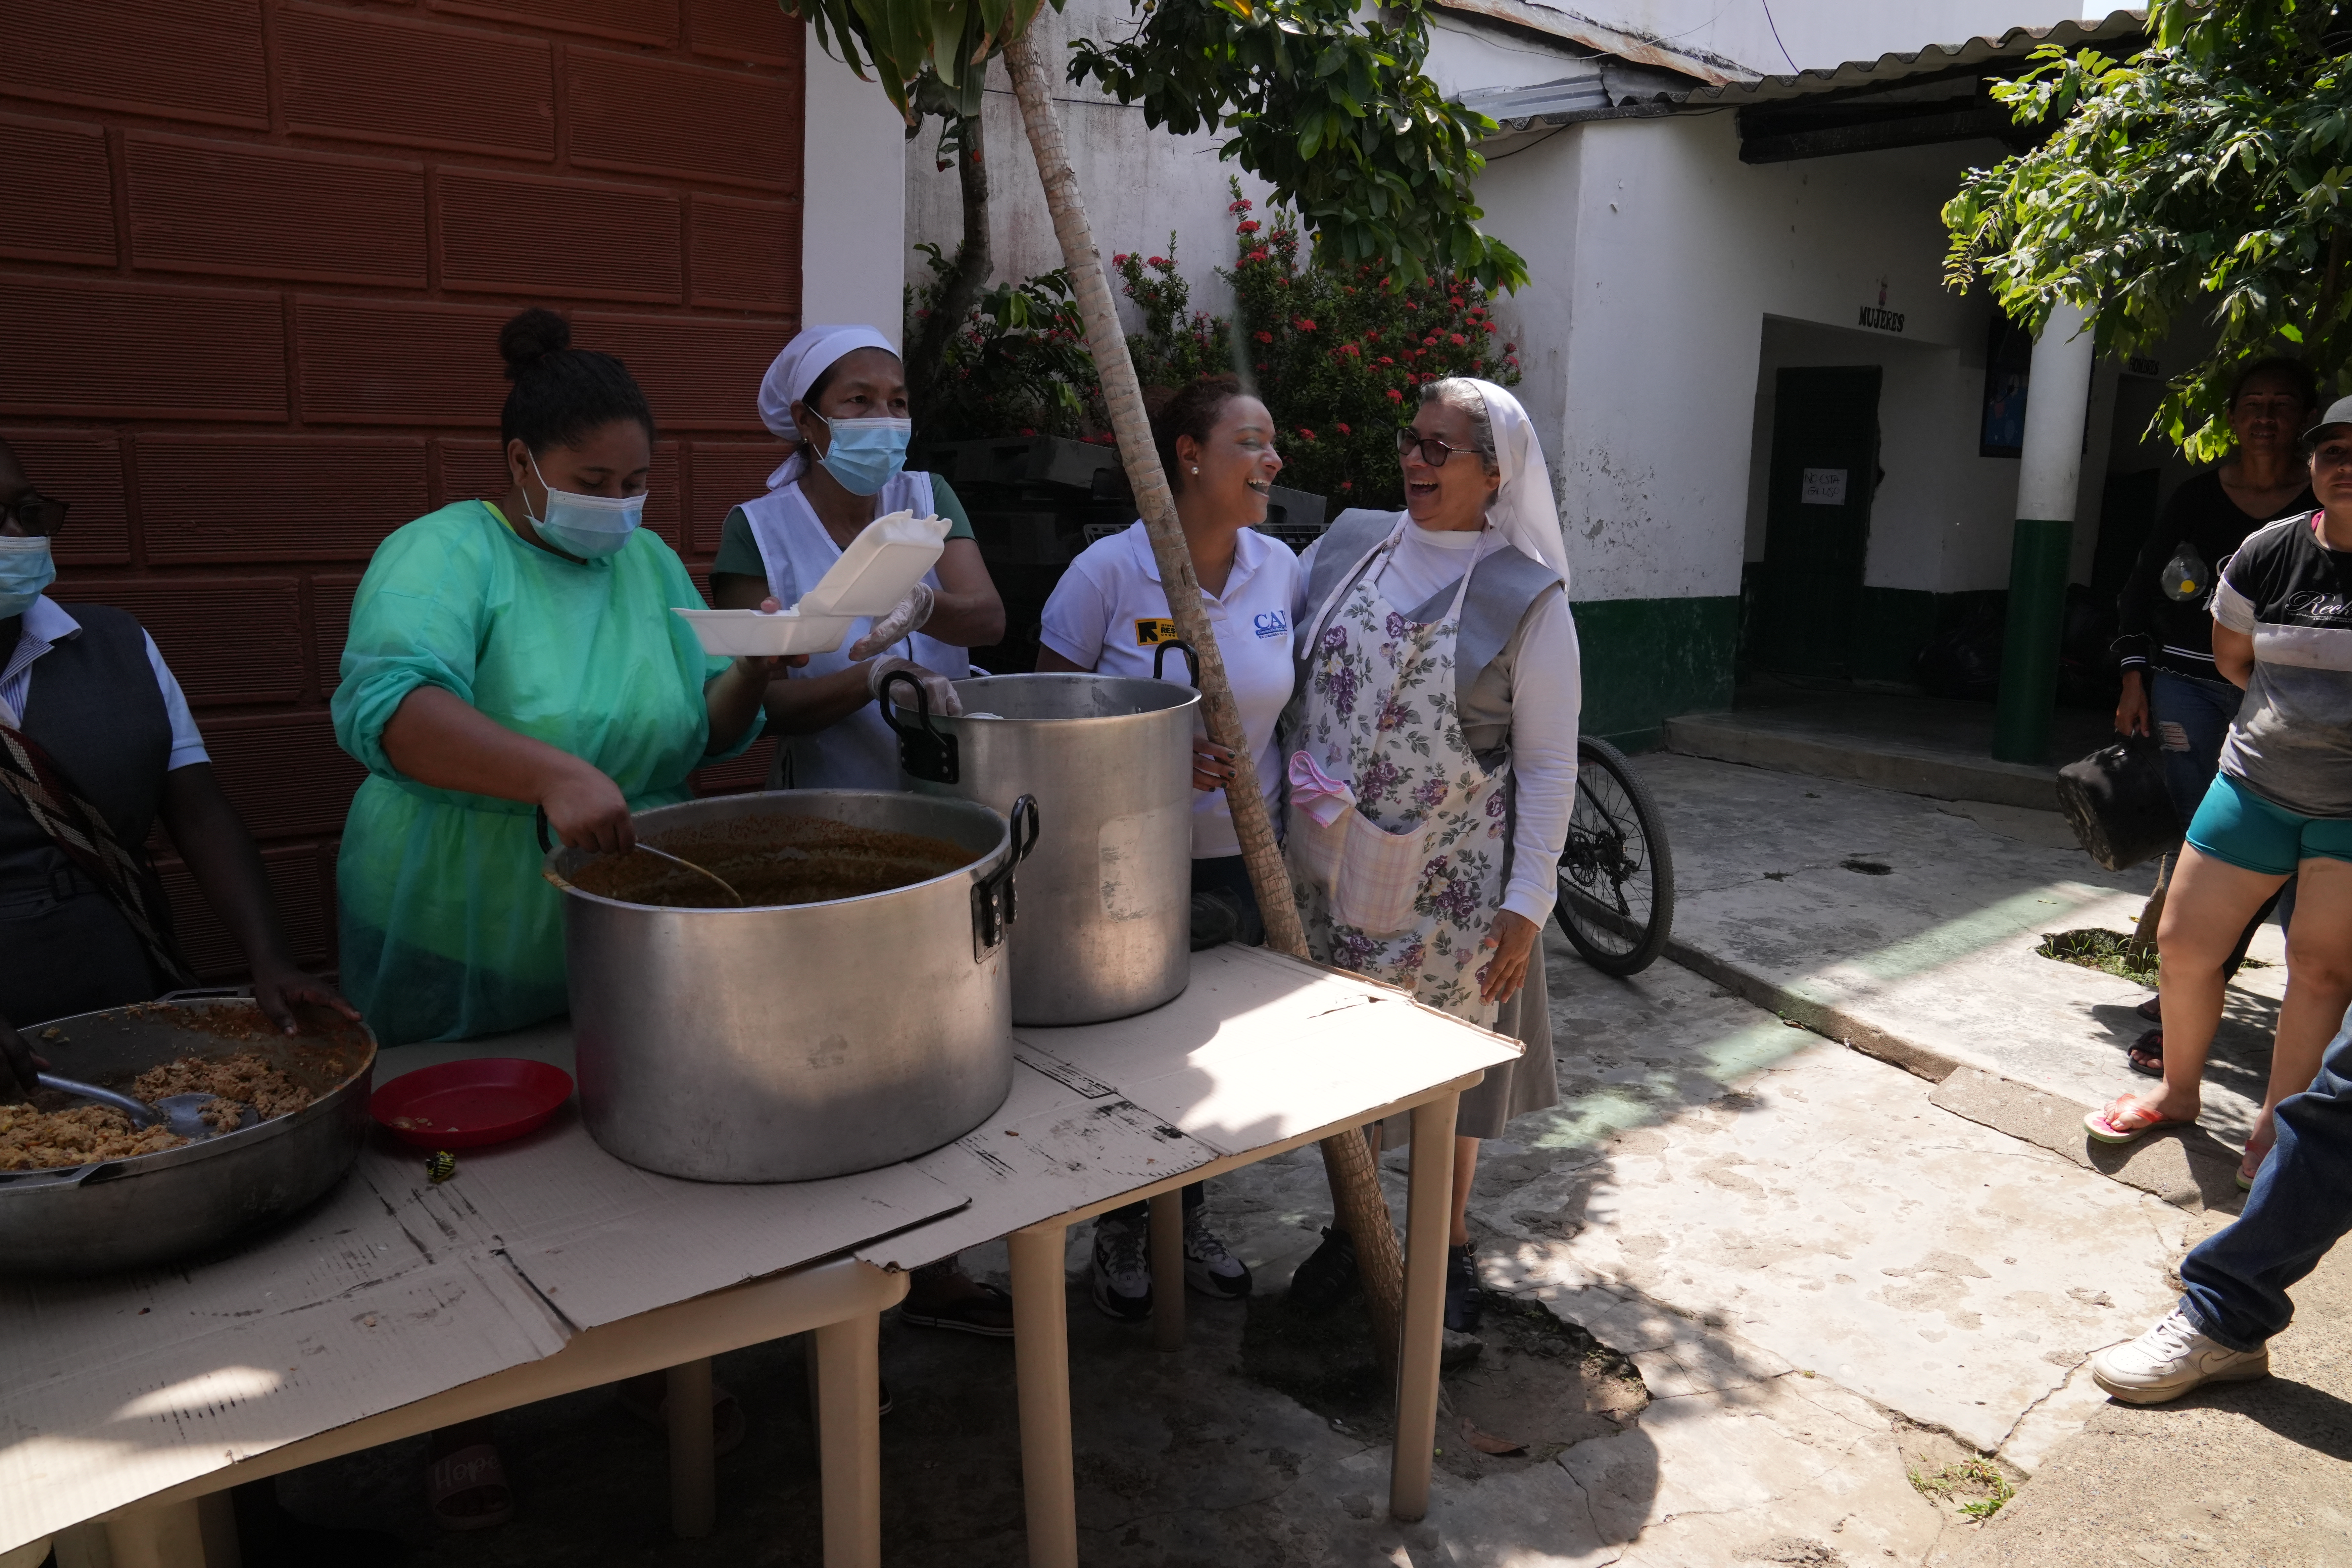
1824 487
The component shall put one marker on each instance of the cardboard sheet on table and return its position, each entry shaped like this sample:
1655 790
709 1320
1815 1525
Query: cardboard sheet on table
1050 1148
1261 1048
603 1240
122 1386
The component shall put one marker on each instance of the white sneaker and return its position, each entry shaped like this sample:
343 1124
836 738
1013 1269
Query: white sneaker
2170 1360
1209 1268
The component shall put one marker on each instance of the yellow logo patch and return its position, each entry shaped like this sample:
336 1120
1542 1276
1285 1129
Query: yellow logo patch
1150 633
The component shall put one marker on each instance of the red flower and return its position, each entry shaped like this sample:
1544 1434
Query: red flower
1119 261
1394 395
1456 338
1455 301
1257 255
1430 341
1156 261
1264 337
1239 207
1305 434
1510 348
1343 430
1347 484
1384 360
1304 324
1410 305
1247 225
1513 361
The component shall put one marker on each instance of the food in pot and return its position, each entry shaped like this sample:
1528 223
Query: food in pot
773 860
58 1131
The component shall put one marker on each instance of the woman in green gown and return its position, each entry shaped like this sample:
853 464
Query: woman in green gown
507 657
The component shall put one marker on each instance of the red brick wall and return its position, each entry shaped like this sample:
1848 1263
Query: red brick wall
254 259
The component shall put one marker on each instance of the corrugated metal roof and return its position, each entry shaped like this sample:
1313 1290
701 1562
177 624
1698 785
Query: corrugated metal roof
2117 26
1611 91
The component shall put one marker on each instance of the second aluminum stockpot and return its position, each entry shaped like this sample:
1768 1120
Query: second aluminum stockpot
856 1013
1105 903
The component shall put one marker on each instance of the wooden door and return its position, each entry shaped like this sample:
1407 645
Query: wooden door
1817 519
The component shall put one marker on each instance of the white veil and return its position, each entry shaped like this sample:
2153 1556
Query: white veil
1522 511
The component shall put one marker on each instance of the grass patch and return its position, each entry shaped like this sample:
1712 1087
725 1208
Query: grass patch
2109 952
1975 1486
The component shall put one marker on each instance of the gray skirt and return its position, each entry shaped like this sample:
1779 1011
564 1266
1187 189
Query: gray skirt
1513 1088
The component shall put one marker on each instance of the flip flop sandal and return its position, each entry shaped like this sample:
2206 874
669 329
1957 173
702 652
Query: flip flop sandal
2150 1010
989 1313
473 1472
2249 1168
727 1422
2150 1046
2126 1121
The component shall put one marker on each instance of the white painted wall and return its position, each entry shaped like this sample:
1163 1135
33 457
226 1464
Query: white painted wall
1139 183
853 213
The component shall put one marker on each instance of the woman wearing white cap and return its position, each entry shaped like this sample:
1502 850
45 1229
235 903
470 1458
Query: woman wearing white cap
839 395
1433 758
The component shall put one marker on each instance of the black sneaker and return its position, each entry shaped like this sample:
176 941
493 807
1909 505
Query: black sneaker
1216 920
1463 1307
1328 1278
1208 1267
1122 1270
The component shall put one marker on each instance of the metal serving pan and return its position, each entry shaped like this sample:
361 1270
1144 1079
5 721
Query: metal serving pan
157 1208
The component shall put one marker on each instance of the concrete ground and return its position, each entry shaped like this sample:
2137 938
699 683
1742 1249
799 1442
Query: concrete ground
1746 1283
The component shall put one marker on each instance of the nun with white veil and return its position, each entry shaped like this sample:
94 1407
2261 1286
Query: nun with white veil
838 395
1431 750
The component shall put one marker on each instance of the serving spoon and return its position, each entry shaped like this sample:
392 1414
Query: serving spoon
682 860
183 1114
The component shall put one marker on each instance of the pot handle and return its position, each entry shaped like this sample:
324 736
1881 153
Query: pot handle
924 751
538 822
992 896
1160 660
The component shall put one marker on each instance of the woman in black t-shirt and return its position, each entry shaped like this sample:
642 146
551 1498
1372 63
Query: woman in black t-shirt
2170 686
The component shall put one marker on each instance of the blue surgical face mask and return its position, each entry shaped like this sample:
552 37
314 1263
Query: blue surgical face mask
589 527
866 454
24 570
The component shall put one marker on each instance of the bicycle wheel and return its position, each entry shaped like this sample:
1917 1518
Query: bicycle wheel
1616 875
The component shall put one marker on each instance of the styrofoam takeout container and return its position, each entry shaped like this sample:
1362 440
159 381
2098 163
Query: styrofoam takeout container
881 566
730 633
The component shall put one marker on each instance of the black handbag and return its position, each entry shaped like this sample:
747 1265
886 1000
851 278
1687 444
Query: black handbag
2116 801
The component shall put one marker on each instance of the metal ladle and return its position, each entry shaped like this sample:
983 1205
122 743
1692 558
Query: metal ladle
180 1113
682 860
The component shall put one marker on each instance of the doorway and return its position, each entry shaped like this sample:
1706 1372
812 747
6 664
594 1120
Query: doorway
1817 519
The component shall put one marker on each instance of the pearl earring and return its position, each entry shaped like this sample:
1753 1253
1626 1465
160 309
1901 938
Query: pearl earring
1196 468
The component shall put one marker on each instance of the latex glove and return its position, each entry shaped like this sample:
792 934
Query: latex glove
936 686
903 622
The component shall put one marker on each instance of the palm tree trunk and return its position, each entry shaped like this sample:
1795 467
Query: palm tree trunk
1355 1180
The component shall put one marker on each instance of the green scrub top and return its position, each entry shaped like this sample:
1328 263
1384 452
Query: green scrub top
448 931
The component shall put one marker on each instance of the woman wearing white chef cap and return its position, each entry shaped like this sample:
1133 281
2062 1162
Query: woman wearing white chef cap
839 395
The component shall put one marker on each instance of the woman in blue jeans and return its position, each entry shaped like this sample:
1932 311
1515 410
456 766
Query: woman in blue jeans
2234 1285
2171 688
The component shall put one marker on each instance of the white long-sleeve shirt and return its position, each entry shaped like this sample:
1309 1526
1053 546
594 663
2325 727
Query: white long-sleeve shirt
1532 692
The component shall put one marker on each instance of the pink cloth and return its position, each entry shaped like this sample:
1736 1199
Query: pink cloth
1317 792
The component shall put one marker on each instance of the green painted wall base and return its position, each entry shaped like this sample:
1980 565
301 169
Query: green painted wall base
2029 657
1646 660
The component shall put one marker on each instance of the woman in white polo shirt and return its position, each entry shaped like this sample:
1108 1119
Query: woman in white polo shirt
1110 614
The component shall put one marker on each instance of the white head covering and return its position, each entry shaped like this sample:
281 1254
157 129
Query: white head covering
808 356
1522 509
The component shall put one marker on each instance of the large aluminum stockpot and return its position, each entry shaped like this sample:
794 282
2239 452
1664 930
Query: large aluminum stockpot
158 1208
785 1041
1105 903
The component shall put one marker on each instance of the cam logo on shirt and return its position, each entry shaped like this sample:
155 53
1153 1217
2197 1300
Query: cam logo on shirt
1149 631
1271 623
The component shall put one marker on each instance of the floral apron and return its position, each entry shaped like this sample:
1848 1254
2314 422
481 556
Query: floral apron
1378 711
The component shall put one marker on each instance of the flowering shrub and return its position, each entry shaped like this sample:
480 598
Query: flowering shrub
1337 353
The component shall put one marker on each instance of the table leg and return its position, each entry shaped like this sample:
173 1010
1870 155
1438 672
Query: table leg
1041 1357
164 1535
1168 1270
1429 1204
849 1440
693 1462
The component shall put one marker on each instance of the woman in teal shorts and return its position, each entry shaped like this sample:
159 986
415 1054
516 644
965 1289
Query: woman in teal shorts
2281 805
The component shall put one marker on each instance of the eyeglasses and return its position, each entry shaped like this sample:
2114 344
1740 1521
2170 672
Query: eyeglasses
1433 451
36 513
